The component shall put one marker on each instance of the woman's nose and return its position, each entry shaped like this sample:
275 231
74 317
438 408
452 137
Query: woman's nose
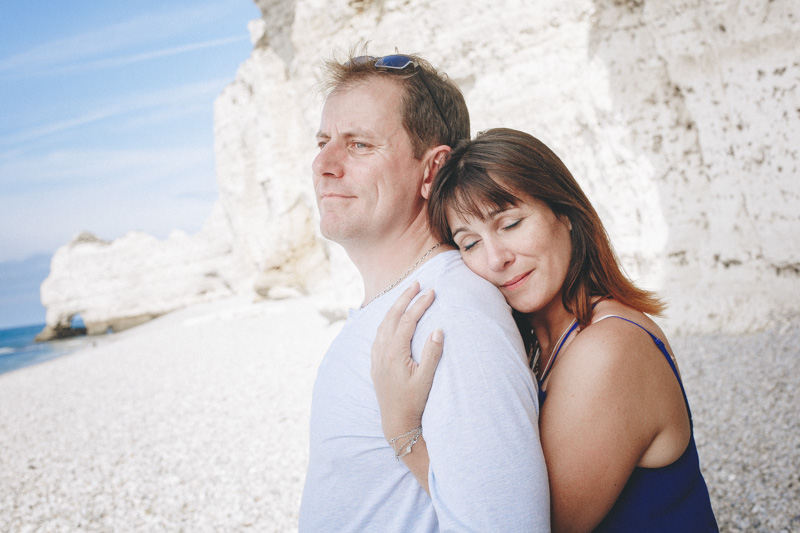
500 256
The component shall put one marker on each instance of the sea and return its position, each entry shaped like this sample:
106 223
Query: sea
18 349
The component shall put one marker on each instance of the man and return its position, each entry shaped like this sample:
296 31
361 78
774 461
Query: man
386 127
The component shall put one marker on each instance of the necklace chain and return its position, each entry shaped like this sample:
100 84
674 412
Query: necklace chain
401 278
538 351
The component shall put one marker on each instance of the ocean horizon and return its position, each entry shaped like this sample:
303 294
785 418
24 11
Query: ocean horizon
19 350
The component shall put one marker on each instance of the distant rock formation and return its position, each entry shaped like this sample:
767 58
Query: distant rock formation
119 284
679 120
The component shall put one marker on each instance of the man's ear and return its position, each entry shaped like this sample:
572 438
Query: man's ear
433 164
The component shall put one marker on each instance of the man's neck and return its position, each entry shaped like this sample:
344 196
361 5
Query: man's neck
384 266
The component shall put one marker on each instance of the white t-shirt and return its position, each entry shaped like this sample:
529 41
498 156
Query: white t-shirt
487 471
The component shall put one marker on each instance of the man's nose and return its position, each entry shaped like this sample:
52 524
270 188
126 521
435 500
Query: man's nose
328 162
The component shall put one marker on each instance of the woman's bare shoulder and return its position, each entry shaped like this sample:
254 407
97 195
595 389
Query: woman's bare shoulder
612 404
614 349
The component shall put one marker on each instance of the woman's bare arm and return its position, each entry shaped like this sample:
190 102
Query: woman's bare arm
401 385
612 404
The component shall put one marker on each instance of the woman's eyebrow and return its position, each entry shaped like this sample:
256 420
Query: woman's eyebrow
457 231
488 216
498 211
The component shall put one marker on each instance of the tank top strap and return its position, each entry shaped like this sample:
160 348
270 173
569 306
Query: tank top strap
662 348
552 361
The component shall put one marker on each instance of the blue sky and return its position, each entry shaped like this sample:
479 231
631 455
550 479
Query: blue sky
106 125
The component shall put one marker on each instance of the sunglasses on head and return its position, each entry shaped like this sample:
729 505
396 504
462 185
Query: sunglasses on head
396 62
401 62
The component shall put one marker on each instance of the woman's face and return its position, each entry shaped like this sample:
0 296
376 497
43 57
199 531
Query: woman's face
524 250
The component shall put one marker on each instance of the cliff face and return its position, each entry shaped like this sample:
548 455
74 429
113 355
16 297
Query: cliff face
679 120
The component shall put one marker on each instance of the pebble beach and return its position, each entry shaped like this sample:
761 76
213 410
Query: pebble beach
198 421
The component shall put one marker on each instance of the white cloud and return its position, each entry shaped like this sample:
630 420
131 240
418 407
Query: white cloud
122 60
64 166
131 35
58 126
165 100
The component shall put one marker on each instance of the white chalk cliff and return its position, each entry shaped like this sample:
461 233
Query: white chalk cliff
680 119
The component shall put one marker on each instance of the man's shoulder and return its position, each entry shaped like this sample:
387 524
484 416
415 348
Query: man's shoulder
457 286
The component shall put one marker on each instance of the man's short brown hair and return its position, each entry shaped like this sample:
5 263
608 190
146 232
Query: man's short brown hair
428 122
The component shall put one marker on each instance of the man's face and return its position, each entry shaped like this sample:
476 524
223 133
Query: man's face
366 179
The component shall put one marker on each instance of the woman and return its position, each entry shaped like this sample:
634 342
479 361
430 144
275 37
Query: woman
615 425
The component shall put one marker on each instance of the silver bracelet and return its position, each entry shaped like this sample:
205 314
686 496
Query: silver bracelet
392 441
405 449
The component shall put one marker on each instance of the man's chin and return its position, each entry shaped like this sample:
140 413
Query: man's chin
335 231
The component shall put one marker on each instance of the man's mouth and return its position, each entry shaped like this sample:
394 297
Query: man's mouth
334 196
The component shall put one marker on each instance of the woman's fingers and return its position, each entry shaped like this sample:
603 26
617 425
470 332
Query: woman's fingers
393 339
431 354
407 325
401 304
398 308
409 319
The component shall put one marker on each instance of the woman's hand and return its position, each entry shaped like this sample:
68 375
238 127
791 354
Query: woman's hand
402 385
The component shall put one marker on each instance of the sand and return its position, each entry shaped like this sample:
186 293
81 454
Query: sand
198 421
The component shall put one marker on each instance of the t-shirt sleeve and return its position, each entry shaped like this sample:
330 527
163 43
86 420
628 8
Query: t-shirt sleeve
487 470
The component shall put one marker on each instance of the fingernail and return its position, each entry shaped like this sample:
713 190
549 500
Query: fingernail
437 336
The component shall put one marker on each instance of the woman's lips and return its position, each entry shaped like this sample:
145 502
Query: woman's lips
516 282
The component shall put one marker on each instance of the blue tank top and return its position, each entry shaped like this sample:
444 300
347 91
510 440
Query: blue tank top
669 499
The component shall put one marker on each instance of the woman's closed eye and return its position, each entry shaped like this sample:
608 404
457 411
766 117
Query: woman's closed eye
467 246
513 224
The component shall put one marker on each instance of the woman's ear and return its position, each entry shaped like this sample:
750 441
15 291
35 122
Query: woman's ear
566 221
433 164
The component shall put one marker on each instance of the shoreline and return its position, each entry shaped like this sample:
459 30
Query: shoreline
15 356
198 420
